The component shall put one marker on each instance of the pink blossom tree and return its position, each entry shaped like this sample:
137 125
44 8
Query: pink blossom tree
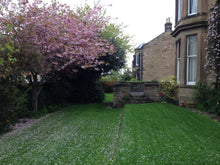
213 42
51 37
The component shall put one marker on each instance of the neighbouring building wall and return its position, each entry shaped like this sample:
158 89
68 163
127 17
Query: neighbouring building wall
155 60
158 58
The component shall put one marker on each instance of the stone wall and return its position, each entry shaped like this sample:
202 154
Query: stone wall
186 95
135 92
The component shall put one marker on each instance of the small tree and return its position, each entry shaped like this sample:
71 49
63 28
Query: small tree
213 42
51 37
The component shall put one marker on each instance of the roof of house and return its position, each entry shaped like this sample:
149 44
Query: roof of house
140 46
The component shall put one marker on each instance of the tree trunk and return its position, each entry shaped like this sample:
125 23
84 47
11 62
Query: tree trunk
34 98
36 89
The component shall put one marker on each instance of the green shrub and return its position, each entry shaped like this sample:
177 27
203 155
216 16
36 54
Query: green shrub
134 80
155 81
208 98
168 89
214 101
67 88
108 86
202 95
13 103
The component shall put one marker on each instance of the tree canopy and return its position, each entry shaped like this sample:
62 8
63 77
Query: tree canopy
114 33
51 37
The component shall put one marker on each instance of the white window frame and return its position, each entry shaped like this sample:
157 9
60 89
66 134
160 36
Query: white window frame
188 60
190 7
179 10
178 47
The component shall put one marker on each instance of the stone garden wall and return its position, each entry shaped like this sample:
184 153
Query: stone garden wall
135 92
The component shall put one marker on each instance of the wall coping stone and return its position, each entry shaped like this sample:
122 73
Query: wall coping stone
187 86
124 83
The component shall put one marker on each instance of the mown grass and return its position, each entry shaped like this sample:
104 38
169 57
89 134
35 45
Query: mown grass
88 134
108 97
166 134
80 134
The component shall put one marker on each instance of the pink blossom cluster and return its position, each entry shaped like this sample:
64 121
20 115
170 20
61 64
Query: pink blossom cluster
55 35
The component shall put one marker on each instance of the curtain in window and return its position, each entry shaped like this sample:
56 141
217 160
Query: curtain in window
191 59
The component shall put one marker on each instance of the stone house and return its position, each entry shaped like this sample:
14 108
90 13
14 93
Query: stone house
188 44
191 24
155 60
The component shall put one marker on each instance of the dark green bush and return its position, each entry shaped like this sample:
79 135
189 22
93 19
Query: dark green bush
214 101
202 95
81 87
13 103
208 98
87 92
108 86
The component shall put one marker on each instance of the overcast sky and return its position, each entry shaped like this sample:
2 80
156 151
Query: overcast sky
145 19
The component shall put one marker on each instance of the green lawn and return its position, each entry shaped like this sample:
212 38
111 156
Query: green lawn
88 134
80 134
108 97
167 134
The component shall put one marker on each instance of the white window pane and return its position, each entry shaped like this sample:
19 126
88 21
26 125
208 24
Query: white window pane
178 61
192 69
178 71
179 9
192 6
178 49
192 45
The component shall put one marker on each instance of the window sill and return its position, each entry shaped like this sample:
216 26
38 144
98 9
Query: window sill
191 83
191 14
187 86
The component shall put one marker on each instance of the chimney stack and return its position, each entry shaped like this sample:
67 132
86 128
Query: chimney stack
168 25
